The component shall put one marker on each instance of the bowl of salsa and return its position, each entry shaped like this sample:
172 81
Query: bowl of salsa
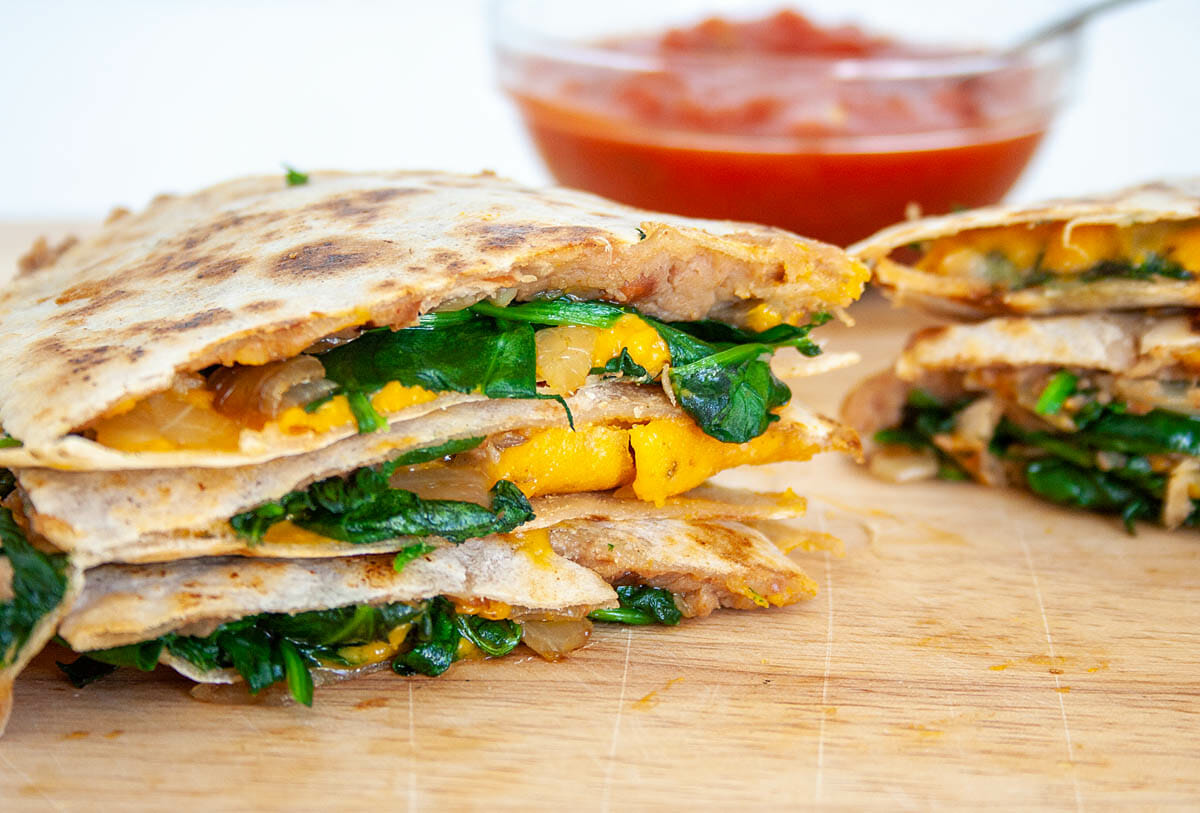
827 128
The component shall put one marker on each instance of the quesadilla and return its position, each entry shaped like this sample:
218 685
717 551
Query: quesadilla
1100 412
288 431
256 319
270 621
1136 248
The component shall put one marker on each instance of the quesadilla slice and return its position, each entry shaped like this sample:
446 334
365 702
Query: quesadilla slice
301 315
469 471
1137 248
1098 412
267 621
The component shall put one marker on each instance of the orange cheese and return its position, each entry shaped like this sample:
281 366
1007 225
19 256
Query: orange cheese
335 413
674 456
632 333
1081 248
561 461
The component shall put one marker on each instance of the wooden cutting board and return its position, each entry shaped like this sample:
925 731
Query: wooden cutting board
971 647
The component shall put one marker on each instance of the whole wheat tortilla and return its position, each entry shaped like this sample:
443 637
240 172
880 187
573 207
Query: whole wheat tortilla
1134 345
708 564
176 513
1148 203
124 604
255 270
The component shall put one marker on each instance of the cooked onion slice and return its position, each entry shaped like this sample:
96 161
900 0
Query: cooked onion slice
554 639
442 482
253 395
179 418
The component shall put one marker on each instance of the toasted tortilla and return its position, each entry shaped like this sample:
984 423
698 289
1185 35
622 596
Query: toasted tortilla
153 515
124 604
255 270
1129 344
1150 203
706 564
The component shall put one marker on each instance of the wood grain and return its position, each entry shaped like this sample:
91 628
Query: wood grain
971 647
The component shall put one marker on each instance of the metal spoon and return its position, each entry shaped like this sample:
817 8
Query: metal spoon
1064 24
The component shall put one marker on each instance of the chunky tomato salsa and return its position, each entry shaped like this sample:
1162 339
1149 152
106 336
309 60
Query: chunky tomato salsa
781 121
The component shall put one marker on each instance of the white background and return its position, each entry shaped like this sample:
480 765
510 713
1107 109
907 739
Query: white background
111 102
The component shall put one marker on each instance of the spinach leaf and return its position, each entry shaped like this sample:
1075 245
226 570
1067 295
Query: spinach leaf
1067 484
413 551
143 656
730 391
1154 265
1156 432
732 399
363 508
273 647
7 441
391 513
436 646
39 583
560 311
1060 387
925 416
84 670
493 638
299 679
484 356
625 367
295 177
641 605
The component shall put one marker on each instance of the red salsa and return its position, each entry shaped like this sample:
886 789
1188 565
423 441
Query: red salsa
767 121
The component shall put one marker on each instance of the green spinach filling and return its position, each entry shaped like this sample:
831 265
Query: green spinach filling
641 605
39 583
1103 465
720 374
1003 272
275 647
363 508
271 648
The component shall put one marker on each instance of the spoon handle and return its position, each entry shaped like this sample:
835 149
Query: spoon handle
1065 24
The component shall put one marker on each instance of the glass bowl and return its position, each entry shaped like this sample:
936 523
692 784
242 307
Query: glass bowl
833 146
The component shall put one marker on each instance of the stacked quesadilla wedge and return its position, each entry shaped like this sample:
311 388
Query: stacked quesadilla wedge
273 432
1086 390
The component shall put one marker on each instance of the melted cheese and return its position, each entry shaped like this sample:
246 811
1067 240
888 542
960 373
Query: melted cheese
376 651
483 607
1081 248
674 456
335 413
957 255
536 546
287 533
561 461
659 459
634 334
1184 247
1063 249
763 317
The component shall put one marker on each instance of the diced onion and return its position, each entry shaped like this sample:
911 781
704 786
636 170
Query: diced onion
564 356
554 639
253 394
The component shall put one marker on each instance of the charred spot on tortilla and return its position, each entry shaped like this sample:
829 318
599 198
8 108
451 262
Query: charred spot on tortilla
340 254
